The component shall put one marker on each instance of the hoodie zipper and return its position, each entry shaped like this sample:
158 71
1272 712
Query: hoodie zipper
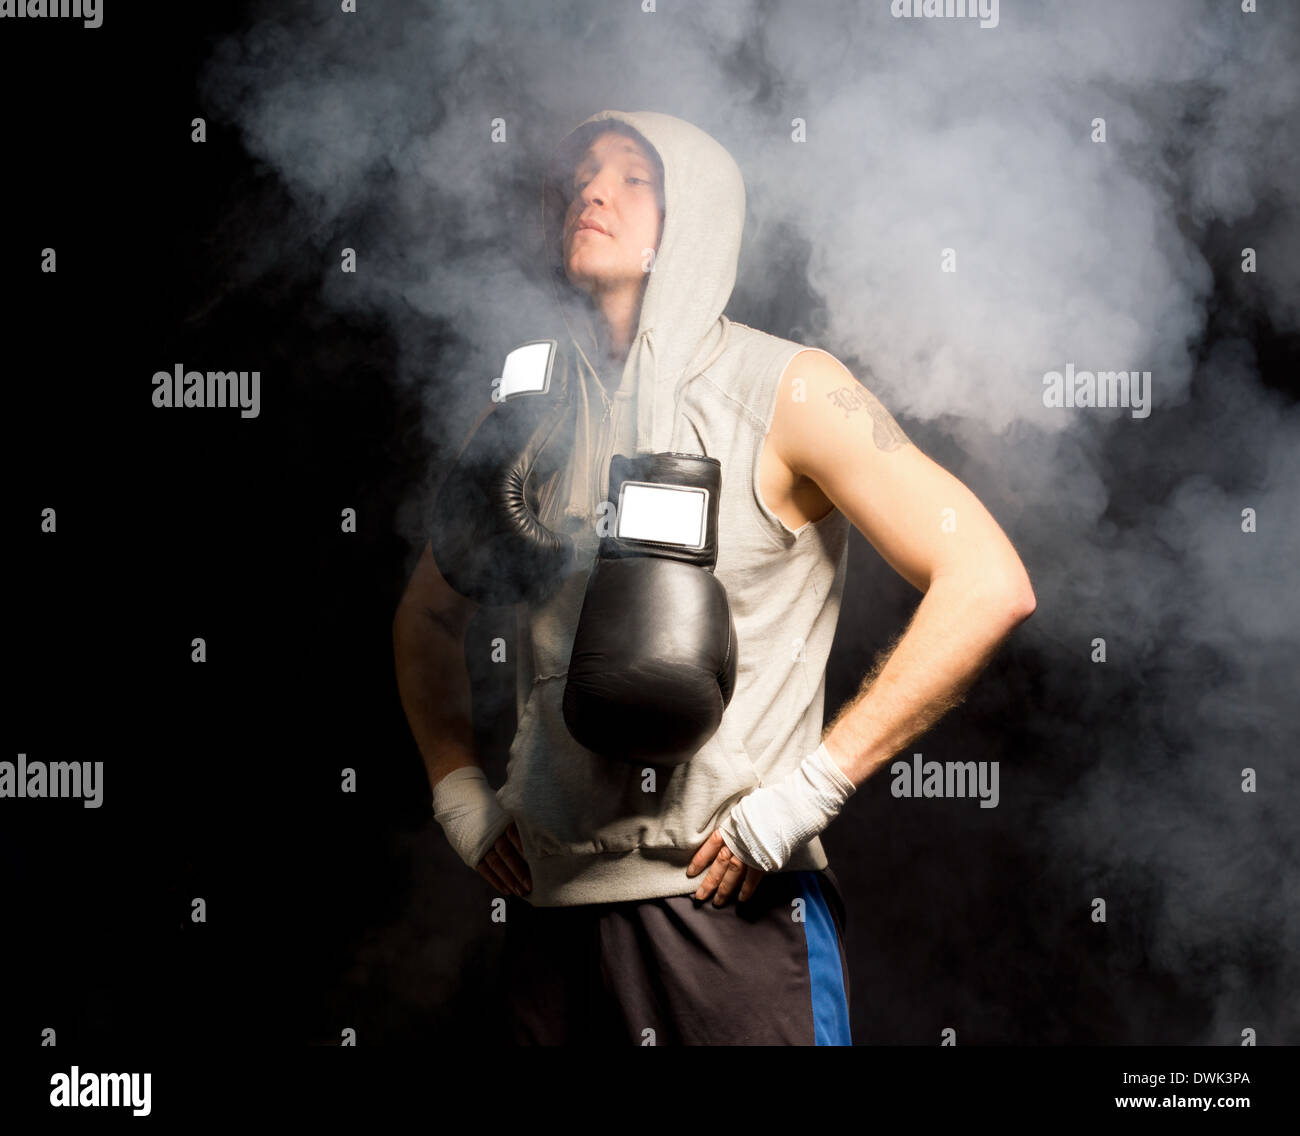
604 444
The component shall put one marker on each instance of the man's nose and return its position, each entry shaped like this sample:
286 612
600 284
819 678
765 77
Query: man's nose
596 191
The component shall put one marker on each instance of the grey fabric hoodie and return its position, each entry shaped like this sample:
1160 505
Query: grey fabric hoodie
594 830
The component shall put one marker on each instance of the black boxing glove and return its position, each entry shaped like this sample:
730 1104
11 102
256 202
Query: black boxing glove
654 656
486 538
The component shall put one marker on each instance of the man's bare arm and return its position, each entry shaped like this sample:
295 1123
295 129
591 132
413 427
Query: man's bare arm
953 635
931 529
429 656
432 680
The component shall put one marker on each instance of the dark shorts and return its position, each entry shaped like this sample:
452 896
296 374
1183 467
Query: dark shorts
679 971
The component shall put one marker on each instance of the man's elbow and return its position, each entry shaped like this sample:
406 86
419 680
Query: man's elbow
1020 600
412 625
1006 595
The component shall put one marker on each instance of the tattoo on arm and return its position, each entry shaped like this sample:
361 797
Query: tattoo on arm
885 432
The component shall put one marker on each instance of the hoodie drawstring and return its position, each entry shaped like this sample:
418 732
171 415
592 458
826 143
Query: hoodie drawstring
647 390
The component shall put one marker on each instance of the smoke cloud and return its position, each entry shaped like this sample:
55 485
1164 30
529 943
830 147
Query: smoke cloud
920 136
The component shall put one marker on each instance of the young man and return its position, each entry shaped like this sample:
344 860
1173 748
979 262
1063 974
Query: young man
627 934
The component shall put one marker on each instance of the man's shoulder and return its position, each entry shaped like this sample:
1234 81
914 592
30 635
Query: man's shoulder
775 354
749 376
751 367
755 339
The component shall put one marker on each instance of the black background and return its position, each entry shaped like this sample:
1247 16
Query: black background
221 780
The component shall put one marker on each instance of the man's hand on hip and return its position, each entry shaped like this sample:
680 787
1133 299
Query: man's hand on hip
725 872
771 823
504 867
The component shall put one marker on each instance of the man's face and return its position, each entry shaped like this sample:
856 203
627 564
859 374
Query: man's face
617 187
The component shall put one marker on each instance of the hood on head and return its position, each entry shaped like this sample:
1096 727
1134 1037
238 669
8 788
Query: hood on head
681 327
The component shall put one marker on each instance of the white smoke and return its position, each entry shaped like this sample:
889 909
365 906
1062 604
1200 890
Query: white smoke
924 135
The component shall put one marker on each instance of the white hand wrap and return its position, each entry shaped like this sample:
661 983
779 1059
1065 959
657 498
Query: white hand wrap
468 810
765 828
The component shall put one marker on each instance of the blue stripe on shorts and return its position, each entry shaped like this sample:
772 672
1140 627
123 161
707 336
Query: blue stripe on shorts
829 1003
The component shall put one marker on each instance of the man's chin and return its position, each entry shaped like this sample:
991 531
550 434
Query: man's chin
594 286
580 283
584 281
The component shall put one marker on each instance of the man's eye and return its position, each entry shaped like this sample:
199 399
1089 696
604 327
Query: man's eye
578 186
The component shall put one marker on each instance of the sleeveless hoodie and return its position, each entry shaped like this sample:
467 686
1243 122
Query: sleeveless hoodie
601 831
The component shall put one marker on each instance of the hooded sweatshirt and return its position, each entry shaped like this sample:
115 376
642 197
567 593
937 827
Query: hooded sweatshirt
596 830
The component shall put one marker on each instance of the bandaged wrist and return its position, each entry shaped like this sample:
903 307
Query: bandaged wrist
769 825
468 810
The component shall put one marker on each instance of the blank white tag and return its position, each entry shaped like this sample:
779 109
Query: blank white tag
667 514
526 369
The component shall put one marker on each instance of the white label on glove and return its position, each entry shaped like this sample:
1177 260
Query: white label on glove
666 514
526 369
